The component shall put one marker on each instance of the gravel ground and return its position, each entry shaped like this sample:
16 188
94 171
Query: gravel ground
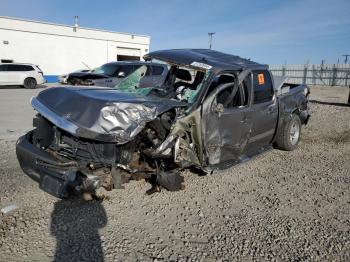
284 206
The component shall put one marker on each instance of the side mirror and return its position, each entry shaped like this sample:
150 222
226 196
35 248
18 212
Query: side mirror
121 74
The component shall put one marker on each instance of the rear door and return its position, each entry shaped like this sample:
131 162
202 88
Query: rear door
264 112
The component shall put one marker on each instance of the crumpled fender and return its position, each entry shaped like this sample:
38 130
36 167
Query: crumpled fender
185 140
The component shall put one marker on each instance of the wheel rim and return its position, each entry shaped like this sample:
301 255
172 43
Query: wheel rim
30 83
294 133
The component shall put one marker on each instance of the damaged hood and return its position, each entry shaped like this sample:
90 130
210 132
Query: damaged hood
99 113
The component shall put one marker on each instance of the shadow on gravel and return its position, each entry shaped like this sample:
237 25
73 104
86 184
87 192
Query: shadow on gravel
75 224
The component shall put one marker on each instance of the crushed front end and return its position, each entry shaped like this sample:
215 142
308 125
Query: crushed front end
64 164
86 138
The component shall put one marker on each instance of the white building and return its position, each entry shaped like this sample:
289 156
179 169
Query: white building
60 49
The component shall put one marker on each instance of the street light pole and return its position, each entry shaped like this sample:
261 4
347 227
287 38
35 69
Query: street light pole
346 58
210 38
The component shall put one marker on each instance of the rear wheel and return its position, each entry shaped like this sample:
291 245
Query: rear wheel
289 137
30 83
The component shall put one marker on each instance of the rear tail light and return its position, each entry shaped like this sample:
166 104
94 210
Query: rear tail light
39 70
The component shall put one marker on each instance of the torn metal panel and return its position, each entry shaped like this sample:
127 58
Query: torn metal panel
189 147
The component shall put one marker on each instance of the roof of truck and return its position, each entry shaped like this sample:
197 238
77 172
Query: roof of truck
204 59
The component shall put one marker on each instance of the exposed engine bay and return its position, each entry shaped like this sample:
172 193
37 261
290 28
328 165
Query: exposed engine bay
110 165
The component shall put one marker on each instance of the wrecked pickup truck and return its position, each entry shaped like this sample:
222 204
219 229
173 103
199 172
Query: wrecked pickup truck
214 110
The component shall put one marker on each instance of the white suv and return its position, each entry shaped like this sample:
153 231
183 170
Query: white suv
26 75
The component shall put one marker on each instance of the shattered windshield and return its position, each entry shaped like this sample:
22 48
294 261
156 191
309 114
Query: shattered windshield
185 90
132 83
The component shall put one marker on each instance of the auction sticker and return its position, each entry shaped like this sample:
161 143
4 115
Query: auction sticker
261 79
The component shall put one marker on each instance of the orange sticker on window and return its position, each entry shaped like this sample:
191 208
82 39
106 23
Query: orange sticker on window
261 79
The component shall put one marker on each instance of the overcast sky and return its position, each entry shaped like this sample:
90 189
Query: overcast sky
271 31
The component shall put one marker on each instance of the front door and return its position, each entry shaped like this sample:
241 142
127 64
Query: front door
225 125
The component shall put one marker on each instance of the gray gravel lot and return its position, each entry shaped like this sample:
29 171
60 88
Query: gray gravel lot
283 206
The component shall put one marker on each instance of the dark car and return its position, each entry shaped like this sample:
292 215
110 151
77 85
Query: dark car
111 74
213 111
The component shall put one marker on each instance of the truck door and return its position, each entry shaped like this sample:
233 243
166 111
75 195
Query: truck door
225 125
264 112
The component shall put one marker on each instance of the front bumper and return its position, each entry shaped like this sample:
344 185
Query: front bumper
54 176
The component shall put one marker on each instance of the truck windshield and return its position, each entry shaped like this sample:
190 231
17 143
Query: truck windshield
183 91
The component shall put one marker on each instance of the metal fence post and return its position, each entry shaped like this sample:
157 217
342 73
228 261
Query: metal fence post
347 77
334 76
305 74
283 71
313 75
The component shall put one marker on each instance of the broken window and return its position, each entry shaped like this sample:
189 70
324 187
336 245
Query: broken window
241 96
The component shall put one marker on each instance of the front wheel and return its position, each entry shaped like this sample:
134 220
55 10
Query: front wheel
289 137
30 83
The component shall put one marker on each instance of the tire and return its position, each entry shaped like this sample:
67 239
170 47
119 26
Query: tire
30 83
73 81
288 138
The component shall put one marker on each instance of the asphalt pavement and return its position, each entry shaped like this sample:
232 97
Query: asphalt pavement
16 113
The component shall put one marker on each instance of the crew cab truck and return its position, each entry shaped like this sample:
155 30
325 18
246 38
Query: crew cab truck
214 110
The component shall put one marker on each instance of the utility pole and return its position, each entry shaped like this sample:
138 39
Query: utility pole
210 38
346 58
76 25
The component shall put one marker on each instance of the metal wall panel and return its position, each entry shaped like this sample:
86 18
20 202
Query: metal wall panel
313 74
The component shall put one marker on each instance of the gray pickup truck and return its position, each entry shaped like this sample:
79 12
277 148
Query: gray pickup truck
214 110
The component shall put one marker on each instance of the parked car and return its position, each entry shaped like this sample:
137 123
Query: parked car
225 112
63 78
27 75
111 74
